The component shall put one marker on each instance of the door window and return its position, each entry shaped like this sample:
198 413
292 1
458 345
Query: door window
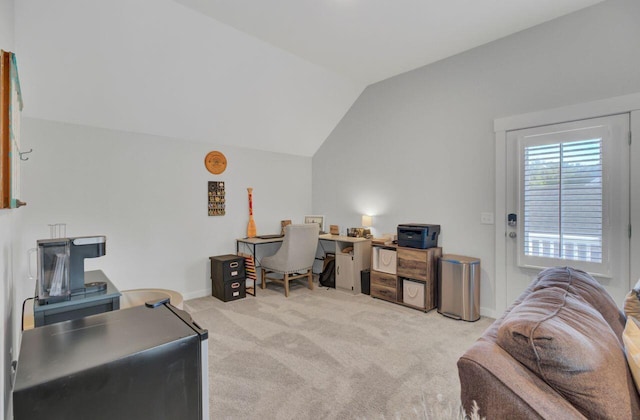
562 200
564 196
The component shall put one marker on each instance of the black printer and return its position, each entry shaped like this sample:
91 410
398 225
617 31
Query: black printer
416 235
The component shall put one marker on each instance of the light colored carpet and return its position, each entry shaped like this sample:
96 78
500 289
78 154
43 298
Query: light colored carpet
326 354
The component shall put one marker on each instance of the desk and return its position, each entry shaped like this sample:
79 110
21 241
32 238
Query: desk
253 242
348 265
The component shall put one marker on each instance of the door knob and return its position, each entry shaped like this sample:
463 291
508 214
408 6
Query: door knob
512 234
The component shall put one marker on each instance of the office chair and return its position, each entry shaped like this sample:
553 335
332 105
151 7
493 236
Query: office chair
294 259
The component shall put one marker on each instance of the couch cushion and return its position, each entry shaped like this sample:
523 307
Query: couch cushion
632 302
631 338
584 285
568 344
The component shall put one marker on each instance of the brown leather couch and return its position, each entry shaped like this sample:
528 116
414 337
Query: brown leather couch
556 353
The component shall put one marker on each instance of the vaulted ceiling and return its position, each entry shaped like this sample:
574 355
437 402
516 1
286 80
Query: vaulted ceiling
272 75
371 40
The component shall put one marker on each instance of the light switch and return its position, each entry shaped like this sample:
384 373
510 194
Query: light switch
486 218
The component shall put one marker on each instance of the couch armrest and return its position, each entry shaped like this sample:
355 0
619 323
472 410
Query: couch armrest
504 388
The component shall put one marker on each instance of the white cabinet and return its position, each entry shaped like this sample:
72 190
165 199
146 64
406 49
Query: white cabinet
348 264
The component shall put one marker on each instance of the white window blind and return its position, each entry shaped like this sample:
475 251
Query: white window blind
563 200
563 204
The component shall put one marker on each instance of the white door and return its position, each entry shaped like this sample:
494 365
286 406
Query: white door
567 200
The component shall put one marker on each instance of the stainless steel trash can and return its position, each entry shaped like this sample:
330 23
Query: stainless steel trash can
459 287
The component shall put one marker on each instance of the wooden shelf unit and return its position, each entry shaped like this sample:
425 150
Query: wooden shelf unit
417 265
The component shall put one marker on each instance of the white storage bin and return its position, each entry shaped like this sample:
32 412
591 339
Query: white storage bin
413 293
384 260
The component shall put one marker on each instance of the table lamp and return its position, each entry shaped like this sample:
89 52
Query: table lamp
367 221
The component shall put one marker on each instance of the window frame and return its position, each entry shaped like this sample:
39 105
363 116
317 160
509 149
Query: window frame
628 104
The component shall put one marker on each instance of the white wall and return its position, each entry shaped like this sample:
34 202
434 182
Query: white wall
148 195
420 147
158 67
8 221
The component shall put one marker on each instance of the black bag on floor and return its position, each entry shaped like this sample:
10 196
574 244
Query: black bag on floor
328 275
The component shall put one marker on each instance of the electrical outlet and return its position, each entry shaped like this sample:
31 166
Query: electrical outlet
486 218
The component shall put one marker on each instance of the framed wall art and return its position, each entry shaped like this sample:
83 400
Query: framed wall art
315 219
216 202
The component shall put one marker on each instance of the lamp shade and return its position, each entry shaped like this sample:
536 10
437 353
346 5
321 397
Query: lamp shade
367 221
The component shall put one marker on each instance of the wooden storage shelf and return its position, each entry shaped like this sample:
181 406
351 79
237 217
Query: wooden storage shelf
416 265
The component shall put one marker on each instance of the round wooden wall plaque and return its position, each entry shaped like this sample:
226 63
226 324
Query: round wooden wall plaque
215 162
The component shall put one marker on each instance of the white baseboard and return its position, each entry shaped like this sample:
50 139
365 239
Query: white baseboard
490 313
197 294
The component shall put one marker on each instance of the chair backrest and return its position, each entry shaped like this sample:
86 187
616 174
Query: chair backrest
298 250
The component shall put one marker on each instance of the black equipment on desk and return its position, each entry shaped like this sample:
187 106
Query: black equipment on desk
416 235
61 267
144 362
64 290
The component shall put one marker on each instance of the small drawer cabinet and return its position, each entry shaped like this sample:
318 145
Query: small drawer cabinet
416 276
227 277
